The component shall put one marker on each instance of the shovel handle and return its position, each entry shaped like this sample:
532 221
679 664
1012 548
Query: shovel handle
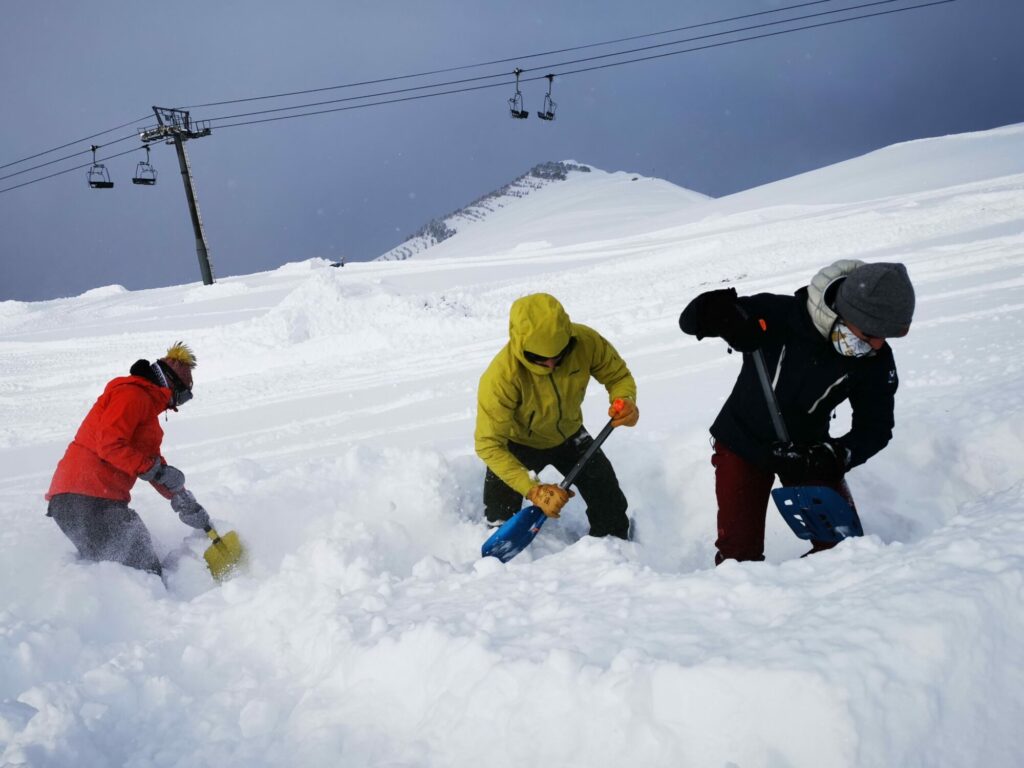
769 395
602 436
214 536
766 385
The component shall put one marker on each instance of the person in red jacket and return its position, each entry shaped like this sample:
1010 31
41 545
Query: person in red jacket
118 443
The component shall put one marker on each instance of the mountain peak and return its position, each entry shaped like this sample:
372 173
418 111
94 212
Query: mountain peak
440 229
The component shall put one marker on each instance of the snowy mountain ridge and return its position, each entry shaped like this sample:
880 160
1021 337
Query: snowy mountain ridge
440 229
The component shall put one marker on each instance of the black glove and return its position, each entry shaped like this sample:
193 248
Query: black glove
824 462
718 313
171 478
190 511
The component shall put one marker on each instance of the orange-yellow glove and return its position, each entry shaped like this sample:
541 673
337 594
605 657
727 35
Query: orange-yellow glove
623 413
550 498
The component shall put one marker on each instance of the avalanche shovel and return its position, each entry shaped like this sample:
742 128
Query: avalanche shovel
812 511
516 533
225 556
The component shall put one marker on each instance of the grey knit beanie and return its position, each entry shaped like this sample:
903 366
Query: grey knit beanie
878 299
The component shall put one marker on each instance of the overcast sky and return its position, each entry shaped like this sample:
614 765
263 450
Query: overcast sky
355 183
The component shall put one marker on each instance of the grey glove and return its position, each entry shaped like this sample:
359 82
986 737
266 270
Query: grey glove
171 478
190 511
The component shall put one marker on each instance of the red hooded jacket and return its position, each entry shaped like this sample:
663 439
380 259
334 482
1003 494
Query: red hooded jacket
119 438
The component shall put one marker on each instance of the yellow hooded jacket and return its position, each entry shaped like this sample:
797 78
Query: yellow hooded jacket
531 404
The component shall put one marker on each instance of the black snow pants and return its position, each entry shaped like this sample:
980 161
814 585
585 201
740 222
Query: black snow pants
597 484
103 529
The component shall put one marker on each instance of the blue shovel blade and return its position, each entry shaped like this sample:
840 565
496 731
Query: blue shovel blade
818 513
514 535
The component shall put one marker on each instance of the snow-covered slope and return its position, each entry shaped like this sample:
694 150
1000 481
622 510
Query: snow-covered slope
332 428
901 169
553 204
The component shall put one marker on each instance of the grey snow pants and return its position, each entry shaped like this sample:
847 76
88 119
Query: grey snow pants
103 529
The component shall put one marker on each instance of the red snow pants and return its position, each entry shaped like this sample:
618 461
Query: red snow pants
743 491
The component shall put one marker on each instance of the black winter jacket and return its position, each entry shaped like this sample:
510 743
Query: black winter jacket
810 382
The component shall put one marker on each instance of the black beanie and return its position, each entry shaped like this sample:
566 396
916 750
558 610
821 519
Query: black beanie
878 299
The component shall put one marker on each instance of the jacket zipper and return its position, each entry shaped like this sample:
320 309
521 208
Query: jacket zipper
558 400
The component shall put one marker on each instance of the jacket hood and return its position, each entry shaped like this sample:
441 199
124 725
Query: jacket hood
160 395
540 324
821 292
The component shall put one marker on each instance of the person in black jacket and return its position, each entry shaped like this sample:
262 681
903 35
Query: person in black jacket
823 345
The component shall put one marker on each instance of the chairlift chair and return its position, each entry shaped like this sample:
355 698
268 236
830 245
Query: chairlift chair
515 104
547 111
145 173
98 177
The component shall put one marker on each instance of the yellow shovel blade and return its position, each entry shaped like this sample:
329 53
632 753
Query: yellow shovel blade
225 556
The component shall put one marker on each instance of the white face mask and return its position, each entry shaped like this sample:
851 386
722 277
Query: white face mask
847 343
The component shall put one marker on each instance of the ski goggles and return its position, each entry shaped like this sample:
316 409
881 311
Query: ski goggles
181 391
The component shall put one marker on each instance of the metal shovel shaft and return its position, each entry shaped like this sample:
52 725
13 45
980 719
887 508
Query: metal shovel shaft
769 395
601 437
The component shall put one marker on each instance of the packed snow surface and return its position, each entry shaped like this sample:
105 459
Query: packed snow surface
332 429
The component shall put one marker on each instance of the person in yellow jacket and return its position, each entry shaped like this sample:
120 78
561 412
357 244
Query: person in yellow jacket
529 416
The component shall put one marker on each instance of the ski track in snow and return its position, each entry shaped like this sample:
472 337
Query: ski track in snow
332 427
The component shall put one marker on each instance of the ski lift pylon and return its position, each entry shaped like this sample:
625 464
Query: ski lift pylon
547 112
515 104
145 174
98 177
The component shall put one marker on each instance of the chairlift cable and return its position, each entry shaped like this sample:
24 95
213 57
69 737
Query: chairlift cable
559 64
69 170
444 84
402 77
71 143
727 32
509 59
369 104
753 37
66 157
368 96
608 65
